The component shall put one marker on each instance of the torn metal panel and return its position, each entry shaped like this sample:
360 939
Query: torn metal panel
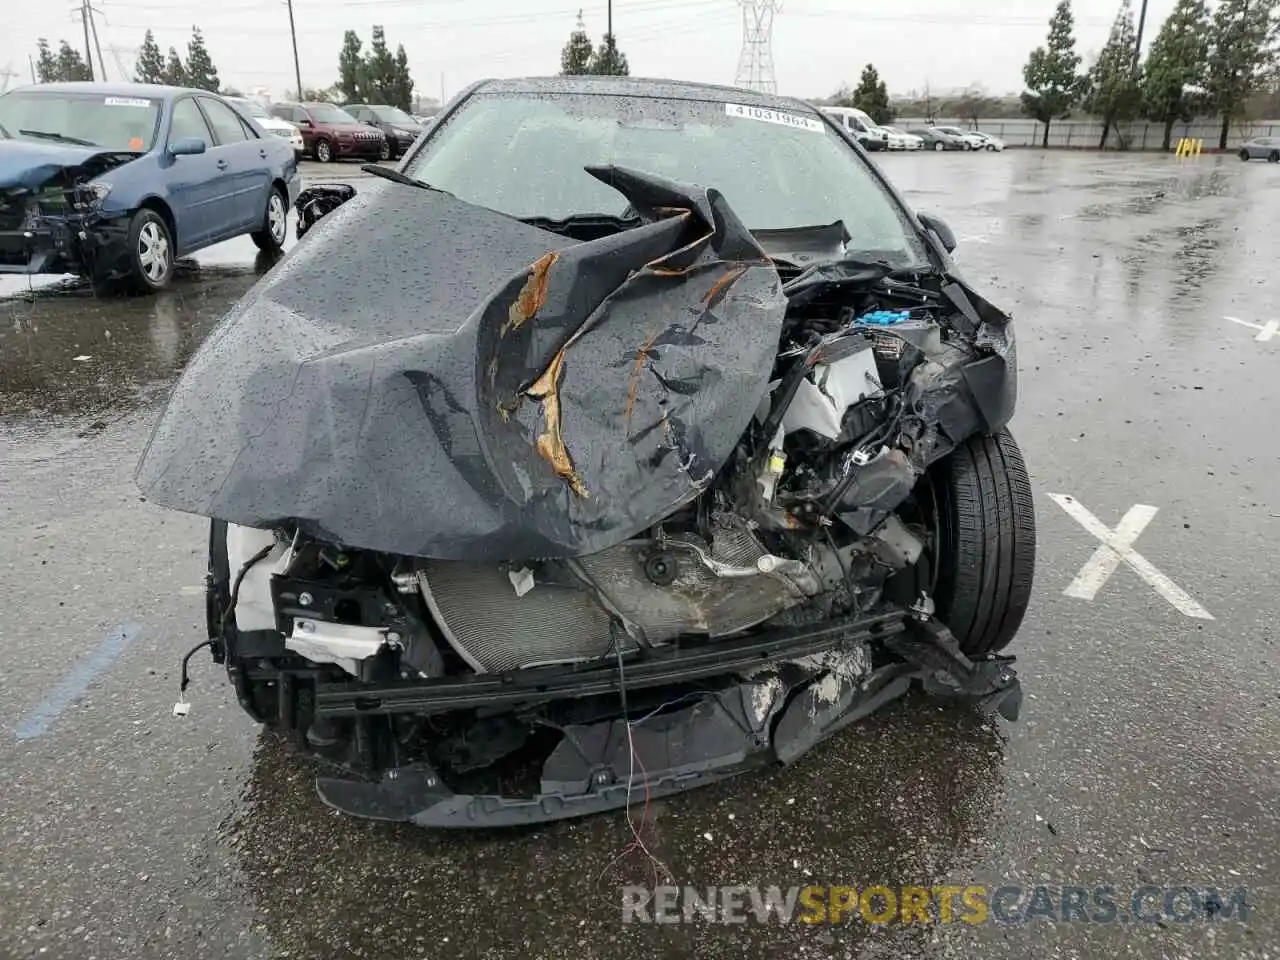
482 401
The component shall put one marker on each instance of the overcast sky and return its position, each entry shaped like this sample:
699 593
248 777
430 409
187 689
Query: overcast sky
817 44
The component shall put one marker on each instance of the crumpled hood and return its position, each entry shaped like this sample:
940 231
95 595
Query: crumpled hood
427 377
27 166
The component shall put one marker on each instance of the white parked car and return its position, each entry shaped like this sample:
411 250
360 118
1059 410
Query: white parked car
901 140
988 141
273 125
972 139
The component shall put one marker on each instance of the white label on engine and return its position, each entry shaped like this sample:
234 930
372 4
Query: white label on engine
766 115
126 102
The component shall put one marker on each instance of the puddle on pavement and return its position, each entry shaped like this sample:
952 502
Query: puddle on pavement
908 796
68 354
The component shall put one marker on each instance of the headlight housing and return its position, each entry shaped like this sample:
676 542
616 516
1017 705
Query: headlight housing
91 195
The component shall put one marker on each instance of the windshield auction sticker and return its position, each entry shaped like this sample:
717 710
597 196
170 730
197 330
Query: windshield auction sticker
773 116
126 102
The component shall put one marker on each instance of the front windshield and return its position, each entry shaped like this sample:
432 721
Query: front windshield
524 156
81 119
394 115
328 113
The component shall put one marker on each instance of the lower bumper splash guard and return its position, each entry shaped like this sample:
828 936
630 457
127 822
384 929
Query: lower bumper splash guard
745 727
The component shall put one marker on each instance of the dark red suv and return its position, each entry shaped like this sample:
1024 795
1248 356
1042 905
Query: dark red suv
330 133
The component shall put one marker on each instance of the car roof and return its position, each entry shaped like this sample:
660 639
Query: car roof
152 90
641 87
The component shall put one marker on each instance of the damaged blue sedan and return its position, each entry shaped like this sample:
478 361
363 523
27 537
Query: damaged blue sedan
632 435
114 182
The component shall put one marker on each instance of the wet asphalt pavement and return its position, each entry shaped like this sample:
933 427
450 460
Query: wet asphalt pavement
1146 752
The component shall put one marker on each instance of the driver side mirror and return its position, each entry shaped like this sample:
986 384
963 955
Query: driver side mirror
938 227
186 147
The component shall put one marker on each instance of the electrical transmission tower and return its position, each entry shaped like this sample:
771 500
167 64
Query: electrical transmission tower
755 61
7 74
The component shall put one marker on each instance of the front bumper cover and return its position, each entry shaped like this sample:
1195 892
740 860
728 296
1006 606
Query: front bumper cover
752 724
87 243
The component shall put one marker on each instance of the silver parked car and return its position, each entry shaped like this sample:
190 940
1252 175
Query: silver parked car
1261 148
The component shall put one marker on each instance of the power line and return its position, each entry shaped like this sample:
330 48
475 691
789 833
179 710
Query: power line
755 60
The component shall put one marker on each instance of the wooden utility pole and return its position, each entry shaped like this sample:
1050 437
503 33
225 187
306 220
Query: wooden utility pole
1137 47
88 51
293 32
93 25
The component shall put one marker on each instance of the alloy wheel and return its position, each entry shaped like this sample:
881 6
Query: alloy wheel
153 252
277 218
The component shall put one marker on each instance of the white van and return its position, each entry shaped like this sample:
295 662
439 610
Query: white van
860 125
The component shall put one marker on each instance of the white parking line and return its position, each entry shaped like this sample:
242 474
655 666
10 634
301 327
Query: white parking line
1116 547
1265 330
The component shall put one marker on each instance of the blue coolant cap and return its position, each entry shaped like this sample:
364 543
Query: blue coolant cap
884 318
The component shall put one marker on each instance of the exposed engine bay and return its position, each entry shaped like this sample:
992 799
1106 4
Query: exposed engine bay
742 551
49 215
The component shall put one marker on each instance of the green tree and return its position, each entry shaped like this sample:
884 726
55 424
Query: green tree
46 62
201 73
150 67
608 60
1113 85
175 74
1241 56
575 58
351 79
71 65
1174 74
1053 86
402 87
379 69
871 96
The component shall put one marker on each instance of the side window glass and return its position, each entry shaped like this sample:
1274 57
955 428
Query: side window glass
226 125
188 122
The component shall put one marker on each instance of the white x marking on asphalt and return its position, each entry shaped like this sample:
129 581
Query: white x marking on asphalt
1116 547
1265 330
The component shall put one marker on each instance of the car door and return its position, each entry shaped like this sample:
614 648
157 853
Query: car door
242 156
199 194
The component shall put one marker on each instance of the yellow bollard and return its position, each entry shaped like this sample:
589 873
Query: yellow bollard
1187 147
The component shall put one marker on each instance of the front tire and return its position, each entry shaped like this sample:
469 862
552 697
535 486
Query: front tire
939 146
1244 154
324 151
275 224
981 564
1273 156
150 252
384 152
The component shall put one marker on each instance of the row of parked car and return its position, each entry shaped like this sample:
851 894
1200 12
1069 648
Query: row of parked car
875 136
328 132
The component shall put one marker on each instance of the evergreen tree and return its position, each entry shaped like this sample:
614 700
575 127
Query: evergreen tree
201 73
380 69
404 81
150 66
175 74
1113 87
1242 54
871 96
608 60
1053 85
575 58
71 65
1174 73
351 79
46 62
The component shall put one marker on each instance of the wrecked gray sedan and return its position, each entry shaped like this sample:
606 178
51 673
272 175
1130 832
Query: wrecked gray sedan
635 435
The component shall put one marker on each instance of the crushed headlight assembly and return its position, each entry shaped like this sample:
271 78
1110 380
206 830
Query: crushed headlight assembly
90 196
